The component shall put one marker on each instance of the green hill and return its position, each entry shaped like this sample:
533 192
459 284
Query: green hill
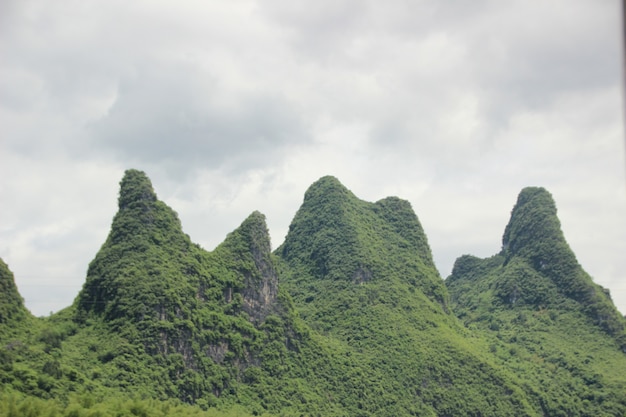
543 316
348 317
362 274
208 328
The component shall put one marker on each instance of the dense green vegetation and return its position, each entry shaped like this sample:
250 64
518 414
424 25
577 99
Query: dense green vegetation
17 405
349 317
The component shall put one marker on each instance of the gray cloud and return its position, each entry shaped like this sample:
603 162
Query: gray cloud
180 118
237 106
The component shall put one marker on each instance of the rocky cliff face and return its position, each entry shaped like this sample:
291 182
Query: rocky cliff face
249 249
261 283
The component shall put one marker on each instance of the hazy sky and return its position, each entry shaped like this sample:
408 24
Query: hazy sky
236 106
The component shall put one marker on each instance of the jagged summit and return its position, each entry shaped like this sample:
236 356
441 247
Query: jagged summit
250 243
176 298
332 211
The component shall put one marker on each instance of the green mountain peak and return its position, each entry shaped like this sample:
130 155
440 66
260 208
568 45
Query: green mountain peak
144 233
534 227
329 195
536 268
338 236
250 245
135 190
11 303
534 234
255 233
325 184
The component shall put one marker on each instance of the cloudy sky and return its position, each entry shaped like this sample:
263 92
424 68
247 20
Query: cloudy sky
237 106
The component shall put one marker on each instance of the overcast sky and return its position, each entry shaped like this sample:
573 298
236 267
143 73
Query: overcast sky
236 106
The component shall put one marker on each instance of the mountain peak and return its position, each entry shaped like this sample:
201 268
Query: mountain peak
11 302
327 189
336 237
135 190
328 181
533 224
534 234
144 228
537 265
255 229
252 235
251 244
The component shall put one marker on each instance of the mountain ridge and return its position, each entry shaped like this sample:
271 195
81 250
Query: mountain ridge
348 317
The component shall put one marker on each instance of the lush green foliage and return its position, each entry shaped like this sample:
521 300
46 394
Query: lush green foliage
15 405
349 317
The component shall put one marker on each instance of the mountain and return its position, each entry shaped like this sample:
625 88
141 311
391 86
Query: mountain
348 317
12 310
362 274
207 327
338 240
150 275
543 315
534 236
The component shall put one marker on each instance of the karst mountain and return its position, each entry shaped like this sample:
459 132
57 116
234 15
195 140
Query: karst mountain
348 317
